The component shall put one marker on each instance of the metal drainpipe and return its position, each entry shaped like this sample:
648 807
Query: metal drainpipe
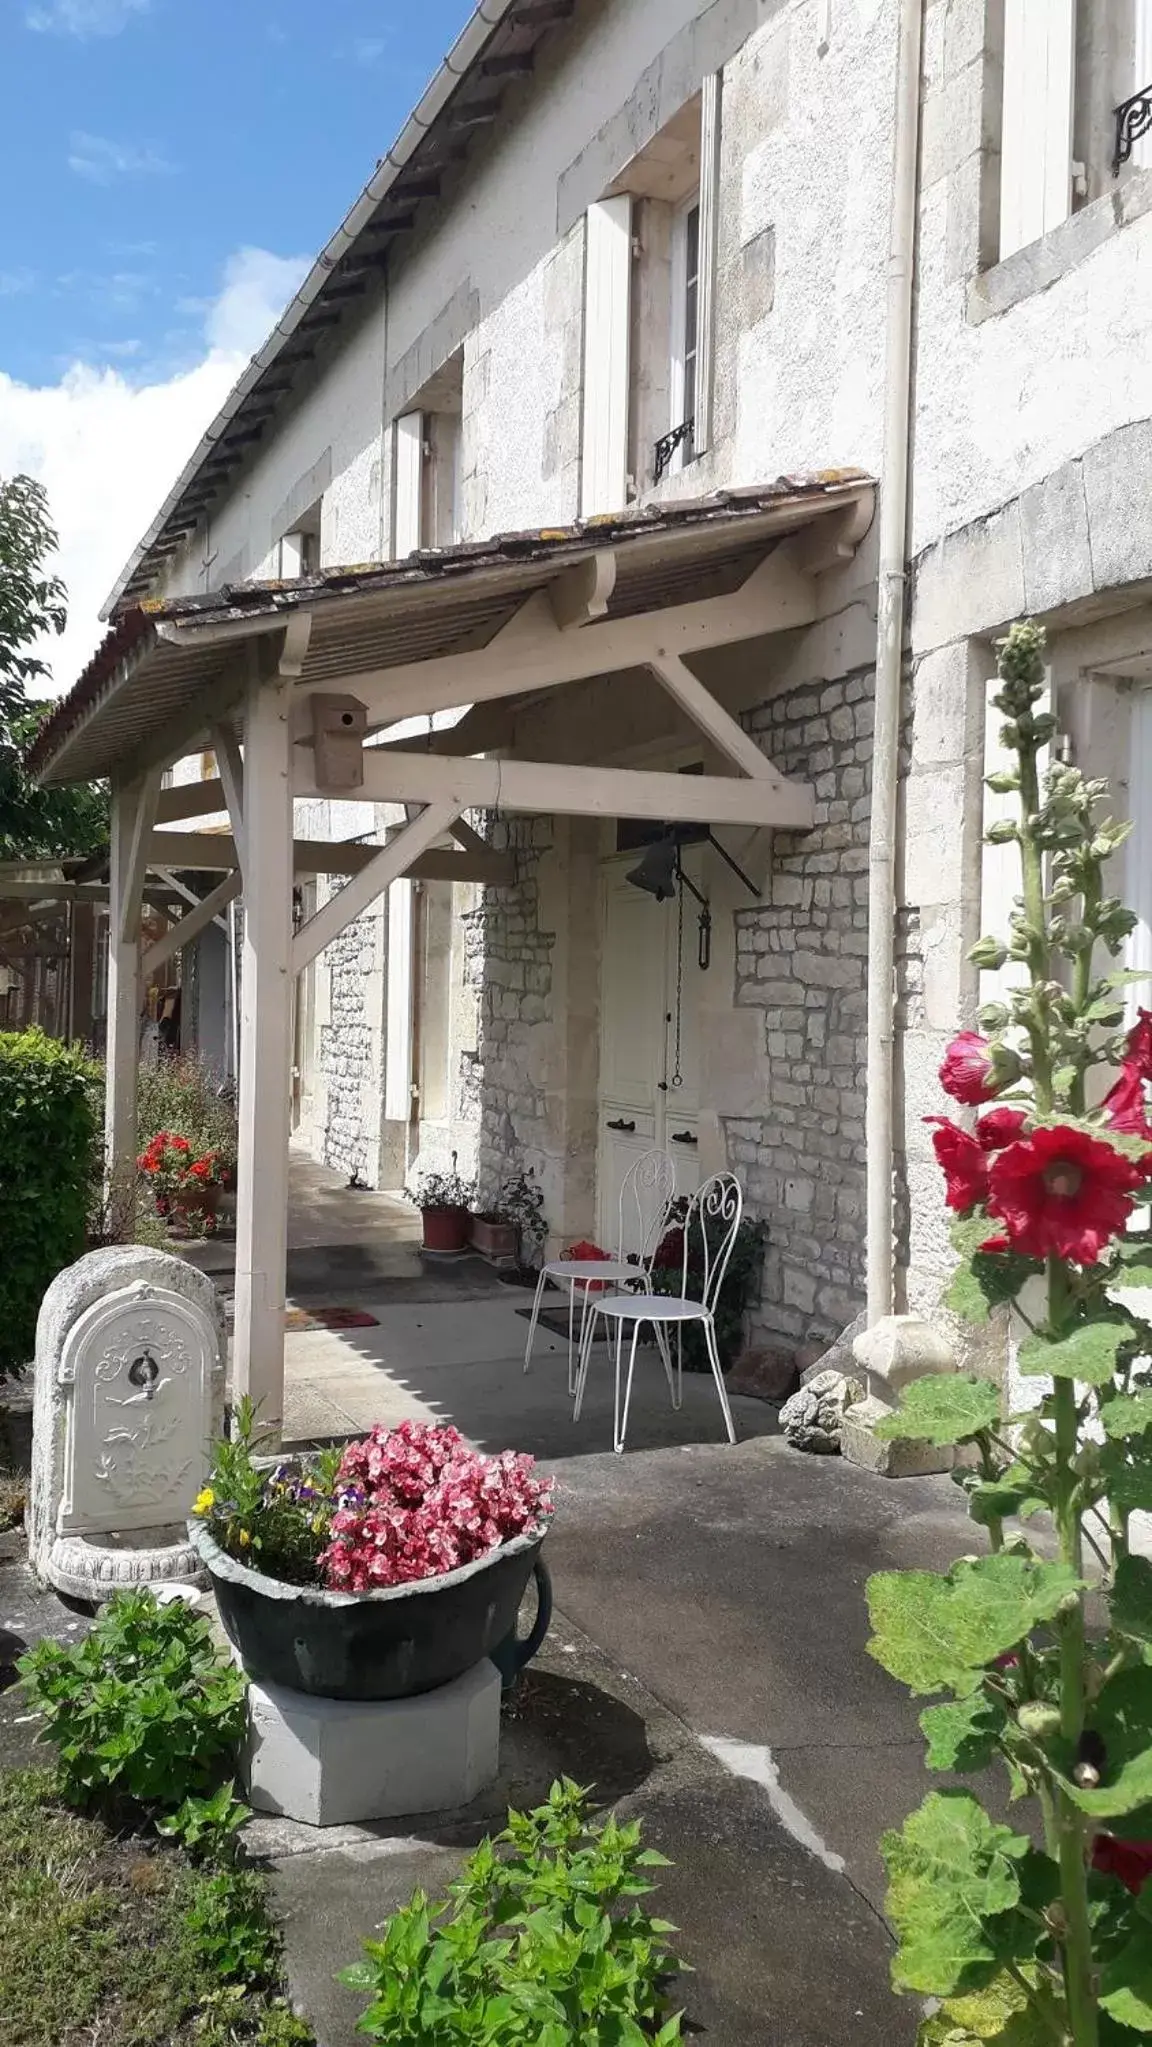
889 665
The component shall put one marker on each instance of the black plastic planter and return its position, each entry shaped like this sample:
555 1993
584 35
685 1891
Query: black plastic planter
369 1645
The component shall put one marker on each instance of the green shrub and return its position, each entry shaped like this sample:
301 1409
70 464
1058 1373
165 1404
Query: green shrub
541 1941
47 1143
144 1709
182 1095
740 1288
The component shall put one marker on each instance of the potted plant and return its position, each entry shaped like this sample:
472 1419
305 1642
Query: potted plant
376 1571
514 1227
443 1200
186 1185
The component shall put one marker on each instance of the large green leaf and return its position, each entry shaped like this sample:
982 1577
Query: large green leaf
1127 1473
1129 1414
1088 1354
1132 1600
966 1297
952 1870
938 1634
1122 1718
1012 1494
997 2017
1126 1983
962 1735
943 1409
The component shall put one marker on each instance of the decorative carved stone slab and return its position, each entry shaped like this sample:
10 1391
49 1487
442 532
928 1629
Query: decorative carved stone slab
130 1350
138 1369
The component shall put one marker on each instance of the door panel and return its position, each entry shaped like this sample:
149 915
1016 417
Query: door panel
638 1038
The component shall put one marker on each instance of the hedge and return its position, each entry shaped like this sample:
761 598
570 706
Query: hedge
47 1144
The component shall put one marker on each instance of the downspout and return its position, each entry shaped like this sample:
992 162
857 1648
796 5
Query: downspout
890 610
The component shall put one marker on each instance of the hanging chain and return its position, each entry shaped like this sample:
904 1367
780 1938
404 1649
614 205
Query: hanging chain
677 1075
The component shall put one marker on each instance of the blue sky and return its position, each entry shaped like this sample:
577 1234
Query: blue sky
169 169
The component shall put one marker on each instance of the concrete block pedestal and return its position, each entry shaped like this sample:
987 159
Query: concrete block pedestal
343 1762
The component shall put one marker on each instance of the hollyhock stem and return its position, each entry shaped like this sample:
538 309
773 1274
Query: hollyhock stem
1070 1831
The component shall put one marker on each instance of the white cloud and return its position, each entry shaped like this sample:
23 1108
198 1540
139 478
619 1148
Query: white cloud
84 18
102 161
109 450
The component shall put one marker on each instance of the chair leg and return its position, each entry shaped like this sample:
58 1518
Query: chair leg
616 1438
571 1328
540 1285
585 1304
585 1360
666 1358
679 1401
718 1375
622 1426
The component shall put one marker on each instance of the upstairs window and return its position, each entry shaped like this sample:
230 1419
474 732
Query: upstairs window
427 509
299 551
650 261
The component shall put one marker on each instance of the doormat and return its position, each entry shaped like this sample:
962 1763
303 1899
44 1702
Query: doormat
330 1318
555 1321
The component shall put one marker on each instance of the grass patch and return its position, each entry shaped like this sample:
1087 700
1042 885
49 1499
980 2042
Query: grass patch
110 1941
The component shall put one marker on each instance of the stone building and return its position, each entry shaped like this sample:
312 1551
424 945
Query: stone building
632 253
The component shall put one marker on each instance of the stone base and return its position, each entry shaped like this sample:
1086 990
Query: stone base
93 1570
860 1446
336 1762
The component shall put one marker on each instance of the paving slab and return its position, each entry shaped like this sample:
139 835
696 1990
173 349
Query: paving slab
784 1952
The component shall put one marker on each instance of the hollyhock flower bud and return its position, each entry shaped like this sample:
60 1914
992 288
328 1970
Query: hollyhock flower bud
1000 1127
976 1070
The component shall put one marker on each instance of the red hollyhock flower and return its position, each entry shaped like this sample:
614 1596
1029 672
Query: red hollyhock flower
1000 1127
1125 1106
1139 1053
967 1072
1131 1861
1062 1193
962 1162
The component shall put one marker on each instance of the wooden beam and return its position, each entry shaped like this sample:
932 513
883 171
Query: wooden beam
533 652
215 853
141 801
191 925
547 787
582 593
192 799
231 779
711 718
386 867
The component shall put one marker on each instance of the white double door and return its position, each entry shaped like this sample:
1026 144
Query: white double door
649 1036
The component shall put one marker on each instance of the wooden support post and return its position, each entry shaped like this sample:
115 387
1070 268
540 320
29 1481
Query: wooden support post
192 924
81 964
122 1049
232 781
265 1052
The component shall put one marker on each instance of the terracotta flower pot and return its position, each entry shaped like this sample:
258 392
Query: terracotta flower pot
445 1229
494 1239
200 1203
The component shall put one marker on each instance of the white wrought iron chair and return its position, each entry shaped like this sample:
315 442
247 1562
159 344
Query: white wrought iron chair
714 1218
647 1193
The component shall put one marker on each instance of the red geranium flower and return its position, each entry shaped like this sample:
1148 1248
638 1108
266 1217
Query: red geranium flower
200 1170
1131 1861
1062 1193
967 1072
962 1162
179 1143
1000 1127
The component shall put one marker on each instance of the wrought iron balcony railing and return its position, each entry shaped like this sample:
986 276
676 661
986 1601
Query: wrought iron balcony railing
680 437
1133 119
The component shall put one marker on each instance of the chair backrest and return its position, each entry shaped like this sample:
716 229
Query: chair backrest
646 1196
710 1228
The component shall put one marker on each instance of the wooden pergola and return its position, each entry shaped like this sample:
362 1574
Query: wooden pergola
294 687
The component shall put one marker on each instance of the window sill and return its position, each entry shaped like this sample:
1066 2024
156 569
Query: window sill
1044 262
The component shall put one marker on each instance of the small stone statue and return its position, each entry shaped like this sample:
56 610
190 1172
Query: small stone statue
813 1418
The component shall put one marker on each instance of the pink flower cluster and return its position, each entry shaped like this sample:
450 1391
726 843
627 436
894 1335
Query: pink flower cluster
416 1501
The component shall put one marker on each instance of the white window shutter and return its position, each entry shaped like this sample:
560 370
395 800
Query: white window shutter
710 122
607 347
408 463
1142 150
1036 135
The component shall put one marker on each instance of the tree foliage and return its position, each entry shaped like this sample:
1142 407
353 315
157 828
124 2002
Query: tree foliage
35 824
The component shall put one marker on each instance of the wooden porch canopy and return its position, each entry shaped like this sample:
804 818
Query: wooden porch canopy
295 686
